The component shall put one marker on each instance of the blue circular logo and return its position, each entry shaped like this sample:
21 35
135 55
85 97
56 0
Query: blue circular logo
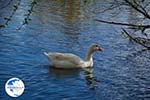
14 87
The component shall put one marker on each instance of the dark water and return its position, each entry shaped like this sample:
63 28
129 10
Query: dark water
121 72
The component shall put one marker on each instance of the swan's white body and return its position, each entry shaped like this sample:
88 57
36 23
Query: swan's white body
68 60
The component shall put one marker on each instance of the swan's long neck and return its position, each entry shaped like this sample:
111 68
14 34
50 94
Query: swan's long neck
89 55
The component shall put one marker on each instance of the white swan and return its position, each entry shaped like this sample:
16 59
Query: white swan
68 60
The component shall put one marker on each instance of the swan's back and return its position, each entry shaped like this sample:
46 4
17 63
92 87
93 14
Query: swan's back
64 60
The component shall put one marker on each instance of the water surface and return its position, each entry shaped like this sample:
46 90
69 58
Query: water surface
121 72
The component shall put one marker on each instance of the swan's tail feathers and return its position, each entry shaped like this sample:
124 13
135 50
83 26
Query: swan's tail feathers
46 54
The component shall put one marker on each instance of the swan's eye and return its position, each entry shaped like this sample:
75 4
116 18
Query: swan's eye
96 45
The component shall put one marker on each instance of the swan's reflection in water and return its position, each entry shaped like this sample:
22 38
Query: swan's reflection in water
63 73
88 74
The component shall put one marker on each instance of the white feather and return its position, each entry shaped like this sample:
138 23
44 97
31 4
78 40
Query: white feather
68 60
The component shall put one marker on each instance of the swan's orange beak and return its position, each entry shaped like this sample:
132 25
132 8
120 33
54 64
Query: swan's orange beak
100 49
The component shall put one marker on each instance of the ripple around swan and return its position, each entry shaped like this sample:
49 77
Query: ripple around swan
121 72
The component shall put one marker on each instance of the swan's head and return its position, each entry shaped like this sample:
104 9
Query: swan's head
92 49
95 47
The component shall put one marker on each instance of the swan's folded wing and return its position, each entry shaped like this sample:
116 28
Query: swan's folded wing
66 57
